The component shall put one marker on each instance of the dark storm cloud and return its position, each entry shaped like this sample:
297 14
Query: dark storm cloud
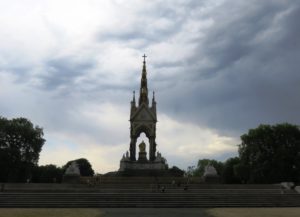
138 31
63 72
70 75
253 76
233 39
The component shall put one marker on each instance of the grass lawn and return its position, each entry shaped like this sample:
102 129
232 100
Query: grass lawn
254 212
215 212
37 212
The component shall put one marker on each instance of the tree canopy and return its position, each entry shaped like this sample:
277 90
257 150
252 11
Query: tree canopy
271 154
267 154
175 171
20 145
202 163
47 174
231 171
84 166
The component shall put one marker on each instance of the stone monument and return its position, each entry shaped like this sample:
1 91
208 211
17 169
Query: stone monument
143 119
210 174
72 173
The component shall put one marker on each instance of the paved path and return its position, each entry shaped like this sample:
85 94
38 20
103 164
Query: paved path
153 212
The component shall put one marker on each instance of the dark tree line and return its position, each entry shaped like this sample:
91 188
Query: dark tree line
20 145
271 154
267 154
52 173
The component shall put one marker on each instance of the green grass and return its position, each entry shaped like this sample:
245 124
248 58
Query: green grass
37 212
254 212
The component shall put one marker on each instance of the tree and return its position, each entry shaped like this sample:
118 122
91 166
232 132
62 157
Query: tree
229 175
175 171
20 145
47 174
271 154
84 166
202 163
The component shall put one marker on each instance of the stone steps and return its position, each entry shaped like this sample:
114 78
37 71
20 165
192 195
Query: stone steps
145 195
186 199
41 187
196 191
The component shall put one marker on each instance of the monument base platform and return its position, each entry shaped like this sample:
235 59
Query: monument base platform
142 168
142 165
71 178
212 179
144 173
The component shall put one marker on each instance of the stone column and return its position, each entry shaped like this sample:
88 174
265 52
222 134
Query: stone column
132 149
152 148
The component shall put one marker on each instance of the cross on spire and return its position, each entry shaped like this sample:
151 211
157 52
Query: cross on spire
144 57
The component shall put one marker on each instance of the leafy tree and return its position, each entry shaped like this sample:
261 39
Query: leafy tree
84 166
175 171
230 171
242 172
20 145
47 174
190 171
202 163
271 154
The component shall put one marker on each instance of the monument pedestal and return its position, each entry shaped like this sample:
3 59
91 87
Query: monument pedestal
138 165
72 179
72 174
143 167
142 157
210 175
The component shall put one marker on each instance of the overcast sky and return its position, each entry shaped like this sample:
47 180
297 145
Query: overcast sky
219 67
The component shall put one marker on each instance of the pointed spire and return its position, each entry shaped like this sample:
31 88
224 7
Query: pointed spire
144 72
153 99
133 99
133 105
144 64
154 104
144 89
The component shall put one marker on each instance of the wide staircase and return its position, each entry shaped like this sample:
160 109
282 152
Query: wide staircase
146 192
